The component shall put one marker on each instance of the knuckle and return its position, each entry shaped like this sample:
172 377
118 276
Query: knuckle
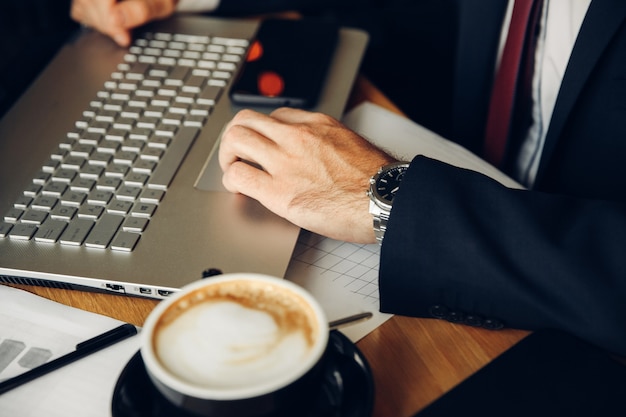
323 118
244 114
232 132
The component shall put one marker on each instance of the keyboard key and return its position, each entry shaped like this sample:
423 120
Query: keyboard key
65 213
34 216
99 197
50 231
108 184
144 166
125 241
151 196
13 215
137 71
133 145
136 179
91 172
168 166
194 84
81 151
160 142
59 154
117 134
147 122
123 124
167 130
127 193
22 202
195 121
110 146
209 95
152 154
23 231
103 231
64 175
32 190
173 119
82 185
51 165
41 177
5 228
92 139
145 210
99 127
140 133
100 158
54 189
90 211
76 232
119 207
116 170
135 224
44 202
73 198
73 163
125 157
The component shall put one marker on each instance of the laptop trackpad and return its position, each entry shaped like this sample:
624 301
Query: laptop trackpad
210 178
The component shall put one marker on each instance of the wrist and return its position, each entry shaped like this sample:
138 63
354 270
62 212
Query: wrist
384 185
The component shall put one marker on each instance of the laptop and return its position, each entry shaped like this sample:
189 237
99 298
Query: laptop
151 173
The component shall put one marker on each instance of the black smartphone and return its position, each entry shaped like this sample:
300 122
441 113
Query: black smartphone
286 64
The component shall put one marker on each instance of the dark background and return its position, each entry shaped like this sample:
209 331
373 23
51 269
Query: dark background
409 46
31 31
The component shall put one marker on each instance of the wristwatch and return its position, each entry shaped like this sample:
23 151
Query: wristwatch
383 187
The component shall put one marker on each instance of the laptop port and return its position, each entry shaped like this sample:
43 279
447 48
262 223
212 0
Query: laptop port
164 293
116 288
143 290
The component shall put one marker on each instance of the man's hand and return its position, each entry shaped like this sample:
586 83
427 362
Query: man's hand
306 167
116 19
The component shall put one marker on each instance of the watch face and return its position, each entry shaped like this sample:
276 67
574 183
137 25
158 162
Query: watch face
388 182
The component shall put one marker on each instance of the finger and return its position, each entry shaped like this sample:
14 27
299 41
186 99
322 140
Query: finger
252 119
132 13
268 126
292 115
93 13
240 143
102 16
243 178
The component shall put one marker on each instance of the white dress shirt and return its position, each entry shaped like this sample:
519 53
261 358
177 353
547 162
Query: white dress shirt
559 27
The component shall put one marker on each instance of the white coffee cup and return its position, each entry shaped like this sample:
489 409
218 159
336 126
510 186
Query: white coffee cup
236 345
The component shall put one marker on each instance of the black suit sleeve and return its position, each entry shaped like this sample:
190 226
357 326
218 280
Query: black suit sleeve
252 7
462 247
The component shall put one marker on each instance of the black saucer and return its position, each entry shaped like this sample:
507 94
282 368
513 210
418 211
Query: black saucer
347 391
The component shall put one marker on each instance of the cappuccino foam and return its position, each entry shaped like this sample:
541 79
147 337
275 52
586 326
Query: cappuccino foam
234 336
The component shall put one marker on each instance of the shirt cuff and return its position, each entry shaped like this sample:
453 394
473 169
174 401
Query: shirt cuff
197 5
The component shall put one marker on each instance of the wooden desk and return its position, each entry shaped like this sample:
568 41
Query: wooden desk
414 361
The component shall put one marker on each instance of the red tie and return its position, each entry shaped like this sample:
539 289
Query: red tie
523 23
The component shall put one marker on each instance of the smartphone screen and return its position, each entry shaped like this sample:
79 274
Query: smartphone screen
286 64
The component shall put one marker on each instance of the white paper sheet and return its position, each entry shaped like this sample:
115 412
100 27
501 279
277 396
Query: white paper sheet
82 388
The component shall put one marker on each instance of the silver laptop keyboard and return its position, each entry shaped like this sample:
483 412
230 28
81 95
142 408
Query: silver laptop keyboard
103 184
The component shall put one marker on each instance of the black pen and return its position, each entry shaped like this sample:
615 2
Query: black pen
82 349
